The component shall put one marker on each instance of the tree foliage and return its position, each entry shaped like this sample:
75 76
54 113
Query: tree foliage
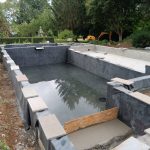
4 28
69 14
30 9
82 17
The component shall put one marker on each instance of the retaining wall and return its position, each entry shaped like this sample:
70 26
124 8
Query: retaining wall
101 67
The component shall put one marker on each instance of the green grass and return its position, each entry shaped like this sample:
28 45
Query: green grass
3 146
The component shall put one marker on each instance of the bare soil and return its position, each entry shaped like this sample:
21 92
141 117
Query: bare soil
11 127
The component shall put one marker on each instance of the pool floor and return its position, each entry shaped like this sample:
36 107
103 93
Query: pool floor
68 91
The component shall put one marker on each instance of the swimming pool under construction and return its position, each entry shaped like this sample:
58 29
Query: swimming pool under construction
80 97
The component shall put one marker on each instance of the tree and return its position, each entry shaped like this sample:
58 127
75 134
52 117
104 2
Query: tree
96 17
69 14
4 28
32 28
30 9
143 22
117 15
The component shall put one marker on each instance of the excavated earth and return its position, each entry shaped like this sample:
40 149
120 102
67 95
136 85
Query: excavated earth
12 131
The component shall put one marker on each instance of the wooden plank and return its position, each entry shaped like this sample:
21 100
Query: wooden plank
90 120
123 81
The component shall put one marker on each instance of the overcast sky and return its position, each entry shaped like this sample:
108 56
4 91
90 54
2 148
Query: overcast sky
2 1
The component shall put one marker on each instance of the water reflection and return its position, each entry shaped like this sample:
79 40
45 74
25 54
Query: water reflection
69 92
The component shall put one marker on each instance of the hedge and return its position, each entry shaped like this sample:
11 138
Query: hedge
12 40
141 39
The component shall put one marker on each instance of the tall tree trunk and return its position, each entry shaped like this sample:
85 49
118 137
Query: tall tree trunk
120 37
120 33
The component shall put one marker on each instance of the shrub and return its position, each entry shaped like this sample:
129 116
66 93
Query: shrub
11 40
65 34
141 39
3 146
103 42
50 33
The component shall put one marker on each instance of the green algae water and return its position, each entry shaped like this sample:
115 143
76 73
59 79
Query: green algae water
68 91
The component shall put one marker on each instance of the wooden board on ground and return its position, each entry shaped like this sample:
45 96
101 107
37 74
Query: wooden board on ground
90 120
123 81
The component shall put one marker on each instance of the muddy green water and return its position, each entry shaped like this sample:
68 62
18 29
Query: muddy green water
69 91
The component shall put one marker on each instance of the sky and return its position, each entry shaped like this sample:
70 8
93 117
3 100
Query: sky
2 1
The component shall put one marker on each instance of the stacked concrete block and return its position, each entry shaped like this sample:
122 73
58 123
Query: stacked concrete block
134 107
27 93
11 72
36 105
141 82
20 82
50 128
5 58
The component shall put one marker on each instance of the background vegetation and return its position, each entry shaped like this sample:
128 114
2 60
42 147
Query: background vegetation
74 18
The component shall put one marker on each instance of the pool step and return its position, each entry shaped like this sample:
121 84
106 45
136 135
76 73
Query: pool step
106 134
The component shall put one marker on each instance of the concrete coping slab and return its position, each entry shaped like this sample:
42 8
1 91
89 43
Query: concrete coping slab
123 81
147 131
132 144
142 97
51 127
21 77
10 61
6 55
37 104
29 92
14 67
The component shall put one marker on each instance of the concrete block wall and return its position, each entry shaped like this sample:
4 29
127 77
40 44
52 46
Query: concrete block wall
131 53
29 45
141 83
101 67
31 114
29 56
132 110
